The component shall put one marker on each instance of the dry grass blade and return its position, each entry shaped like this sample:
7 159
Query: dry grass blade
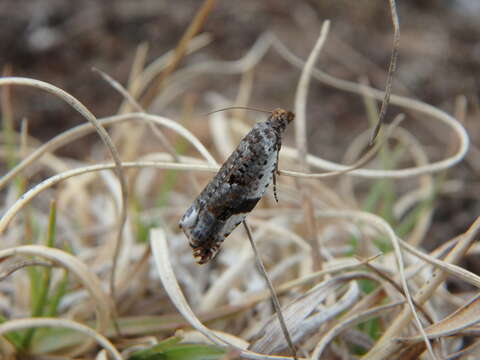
162 261
76 267
350 322
133 82
451 269
462 354
302 94
386 346
163 140
10 269
246 63
180 50
78 106
120 89
301 141
391 71
275 300
30 194
84 129
462 318
22 324
161 255
158 65
137 107
305 315
381 224
398 288
369 155
401 101
304 280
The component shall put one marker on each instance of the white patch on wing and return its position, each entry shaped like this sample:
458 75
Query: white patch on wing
267 169
231 223
267 174
190 217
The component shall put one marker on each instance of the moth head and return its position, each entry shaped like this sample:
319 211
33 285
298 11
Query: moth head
281 118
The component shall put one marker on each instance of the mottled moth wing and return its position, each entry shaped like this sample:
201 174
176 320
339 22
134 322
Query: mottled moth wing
236 188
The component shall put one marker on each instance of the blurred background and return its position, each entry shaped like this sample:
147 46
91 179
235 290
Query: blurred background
60 41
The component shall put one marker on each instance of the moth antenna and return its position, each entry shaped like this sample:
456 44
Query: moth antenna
238 107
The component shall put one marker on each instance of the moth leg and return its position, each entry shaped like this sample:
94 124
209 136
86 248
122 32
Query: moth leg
275 172
275 186
276 163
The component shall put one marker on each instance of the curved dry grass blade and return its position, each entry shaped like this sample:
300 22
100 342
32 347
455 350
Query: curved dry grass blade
30 194
78 106
302 94
84 129
386 346
181 80
467 351
245 63
401 101
76 267
391 70
10 269
303 316
161 256
180 130
452 269
304 280
365 159
193 336
120 89
462 318
349 322
162 261
157 66
382 225
75 104
163 140
217 292
137 107
399 289
21 324
301 142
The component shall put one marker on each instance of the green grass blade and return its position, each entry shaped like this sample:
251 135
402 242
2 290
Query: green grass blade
171 350
13 337
42 281
193 352
157 349
58 293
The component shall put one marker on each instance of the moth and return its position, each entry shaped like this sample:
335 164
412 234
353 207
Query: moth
236 188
